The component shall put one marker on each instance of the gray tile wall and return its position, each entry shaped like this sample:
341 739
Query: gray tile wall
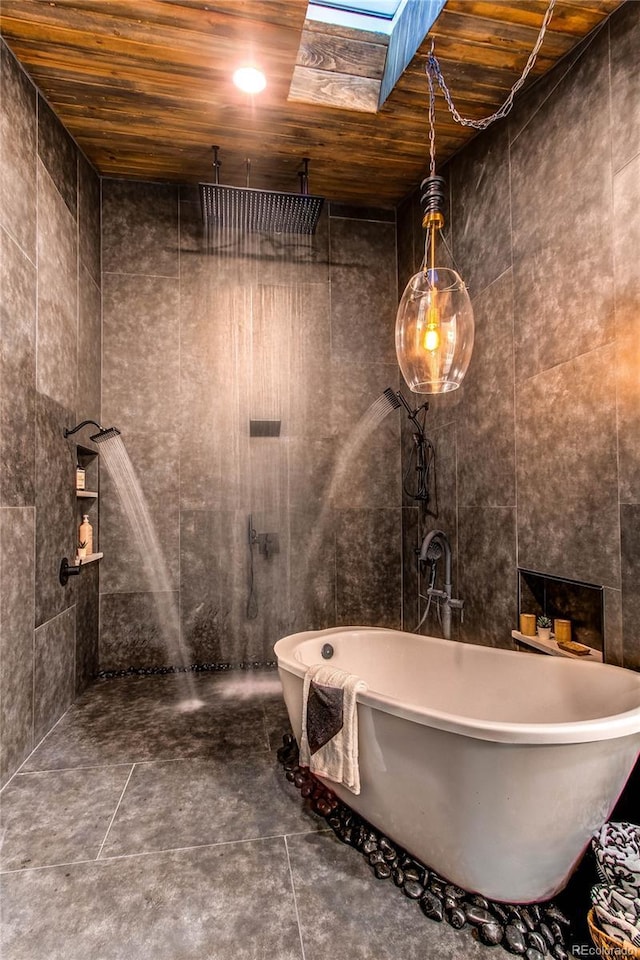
197 342
545 431
50 319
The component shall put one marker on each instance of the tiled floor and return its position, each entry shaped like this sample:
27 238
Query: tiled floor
140 831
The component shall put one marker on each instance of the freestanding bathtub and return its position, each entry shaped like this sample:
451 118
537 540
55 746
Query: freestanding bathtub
491 766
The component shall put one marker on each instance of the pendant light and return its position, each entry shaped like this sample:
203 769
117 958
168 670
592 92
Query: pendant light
434 323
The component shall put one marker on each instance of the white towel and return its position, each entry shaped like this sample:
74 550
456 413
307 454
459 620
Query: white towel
329 743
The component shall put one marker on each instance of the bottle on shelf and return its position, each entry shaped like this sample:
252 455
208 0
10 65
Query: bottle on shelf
80 478
85 533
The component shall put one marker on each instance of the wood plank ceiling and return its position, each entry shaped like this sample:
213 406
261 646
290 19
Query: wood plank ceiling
145 87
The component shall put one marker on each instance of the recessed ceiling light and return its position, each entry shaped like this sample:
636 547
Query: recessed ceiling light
250 80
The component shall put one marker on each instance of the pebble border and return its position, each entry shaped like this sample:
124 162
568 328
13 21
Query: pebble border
533 931
193 668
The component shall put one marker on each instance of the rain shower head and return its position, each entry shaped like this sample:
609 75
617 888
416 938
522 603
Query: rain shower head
249 209
106 433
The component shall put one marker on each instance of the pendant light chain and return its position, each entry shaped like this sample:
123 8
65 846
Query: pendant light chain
434 73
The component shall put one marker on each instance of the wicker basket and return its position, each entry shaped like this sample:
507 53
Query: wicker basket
607 946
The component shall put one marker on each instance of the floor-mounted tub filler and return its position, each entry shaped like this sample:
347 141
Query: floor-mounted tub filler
493 767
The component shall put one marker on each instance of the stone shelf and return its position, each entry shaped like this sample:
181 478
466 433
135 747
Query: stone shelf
552 648
90 558
87 494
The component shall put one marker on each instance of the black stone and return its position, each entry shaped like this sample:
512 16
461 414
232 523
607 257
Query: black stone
450 903
376 857
412 874
477 915
369 846
480 901
516 921
528 919
500 912
413 889
514 939
456 917
490 933
452 891
290 775
533 954
398 876
546 933
299 779
537 941
382 870
334 822
556 930
553 912
306 790
431 906
559 951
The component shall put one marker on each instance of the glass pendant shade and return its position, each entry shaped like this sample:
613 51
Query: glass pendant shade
434 331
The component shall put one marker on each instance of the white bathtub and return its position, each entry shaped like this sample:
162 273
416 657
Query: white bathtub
493 767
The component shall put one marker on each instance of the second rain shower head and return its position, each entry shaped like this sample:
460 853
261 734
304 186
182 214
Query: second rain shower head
248 209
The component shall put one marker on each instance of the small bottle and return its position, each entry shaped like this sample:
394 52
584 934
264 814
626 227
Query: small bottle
85 533
80 478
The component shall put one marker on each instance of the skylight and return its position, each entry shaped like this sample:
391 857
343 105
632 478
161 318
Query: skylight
375 15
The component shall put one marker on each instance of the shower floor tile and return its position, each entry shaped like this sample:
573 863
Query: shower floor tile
134 719
229 902
345 912
184 803
59 816
132 834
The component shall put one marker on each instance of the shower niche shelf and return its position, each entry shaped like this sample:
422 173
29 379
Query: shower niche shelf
83 561
87 494
87 501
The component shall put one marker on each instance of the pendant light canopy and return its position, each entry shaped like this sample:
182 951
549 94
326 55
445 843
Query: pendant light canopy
434 323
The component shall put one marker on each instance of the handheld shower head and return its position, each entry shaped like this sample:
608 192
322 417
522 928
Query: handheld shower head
106 433
392 398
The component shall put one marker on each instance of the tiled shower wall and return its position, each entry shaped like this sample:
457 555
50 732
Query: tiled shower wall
539 451
49 378
199 340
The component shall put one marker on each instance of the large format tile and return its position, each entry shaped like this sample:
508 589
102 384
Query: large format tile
363 290
562 257
486 429
54 671
89 218
58 153
18 157
87 627
56 532
139 630
624 27
18 280
139 228
368 567
137 719
487 583
630 547
89 347
58 816
345 912
232 901
184 803
17 569
57 295
626 243
481 209
567 478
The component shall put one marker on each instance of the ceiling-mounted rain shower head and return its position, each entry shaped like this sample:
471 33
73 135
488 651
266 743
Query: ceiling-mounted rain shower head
248 209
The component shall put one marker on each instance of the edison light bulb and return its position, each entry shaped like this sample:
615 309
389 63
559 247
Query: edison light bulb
432 335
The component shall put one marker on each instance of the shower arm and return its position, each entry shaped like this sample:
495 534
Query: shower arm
84 423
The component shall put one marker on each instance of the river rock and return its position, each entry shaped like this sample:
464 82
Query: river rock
412 873
477 915
290 775
398 876
546 933
431 906
559 951
490 933
456 917
376 857
533 954
452 891
528 919
450 903
554 913
306 789
382 870
556 930
480 901
514 939
516 920
536 940
413 889
369 846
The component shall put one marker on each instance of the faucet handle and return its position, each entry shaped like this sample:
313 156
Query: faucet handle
458 605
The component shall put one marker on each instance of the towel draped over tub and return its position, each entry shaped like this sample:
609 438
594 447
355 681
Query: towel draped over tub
329 744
